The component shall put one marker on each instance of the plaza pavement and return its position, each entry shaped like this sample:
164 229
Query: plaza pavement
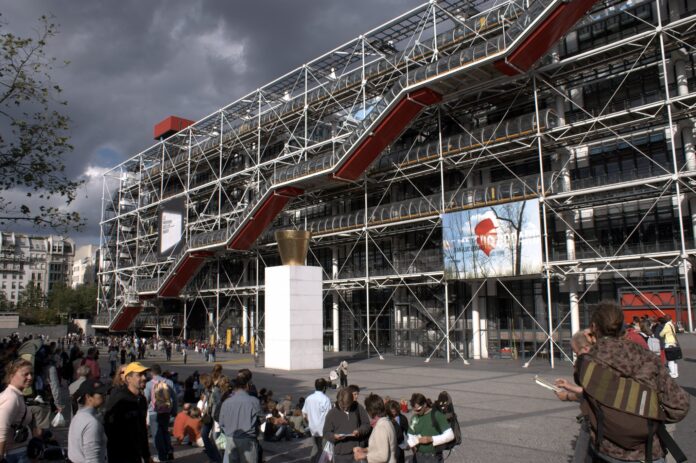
503 414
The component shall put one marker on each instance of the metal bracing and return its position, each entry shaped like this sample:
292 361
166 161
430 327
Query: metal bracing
593 133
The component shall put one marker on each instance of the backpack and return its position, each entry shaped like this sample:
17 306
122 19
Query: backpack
654 345
621 409
445 406
161 397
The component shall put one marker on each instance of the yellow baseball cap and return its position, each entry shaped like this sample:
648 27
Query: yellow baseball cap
134 367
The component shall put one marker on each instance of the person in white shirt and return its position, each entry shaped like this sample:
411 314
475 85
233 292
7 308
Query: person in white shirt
86 438
315 409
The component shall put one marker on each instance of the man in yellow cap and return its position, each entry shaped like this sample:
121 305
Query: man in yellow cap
124 419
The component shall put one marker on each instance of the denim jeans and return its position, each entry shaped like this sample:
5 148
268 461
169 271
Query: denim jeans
19 457
241 450
211 449
159 428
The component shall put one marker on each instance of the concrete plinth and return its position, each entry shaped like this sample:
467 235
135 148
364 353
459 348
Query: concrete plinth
293 319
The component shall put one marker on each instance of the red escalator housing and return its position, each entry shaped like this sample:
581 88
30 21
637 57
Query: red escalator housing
125 318
386 132
544 36
182 274
264 215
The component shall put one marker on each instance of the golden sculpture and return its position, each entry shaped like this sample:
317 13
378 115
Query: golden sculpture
293 246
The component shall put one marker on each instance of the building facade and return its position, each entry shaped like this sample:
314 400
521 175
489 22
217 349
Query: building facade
475 176
84 268
44 260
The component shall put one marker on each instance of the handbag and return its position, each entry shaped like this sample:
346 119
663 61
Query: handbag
21 431
673 353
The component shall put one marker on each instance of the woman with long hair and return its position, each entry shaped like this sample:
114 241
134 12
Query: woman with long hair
211 401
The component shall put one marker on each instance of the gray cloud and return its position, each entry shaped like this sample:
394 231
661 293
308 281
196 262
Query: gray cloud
134 62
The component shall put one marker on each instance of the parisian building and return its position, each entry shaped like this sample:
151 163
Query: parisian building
84 269
475 176
44 260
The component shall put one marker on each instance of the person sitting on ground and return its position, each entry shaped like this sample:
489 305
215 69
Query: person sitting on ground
297 423
179 429
275 427
382 445
285 406
193 427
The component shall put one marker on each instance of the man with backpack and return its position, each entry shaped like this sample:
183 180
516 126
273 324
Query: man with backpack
433 427
628 394
161 404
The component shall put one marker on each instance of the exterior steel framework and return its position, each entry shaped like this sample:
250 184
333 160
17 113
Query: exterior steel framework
454 105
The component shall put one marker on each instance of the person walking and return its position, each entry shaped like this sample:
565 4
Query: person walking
15 417
161 404
343 373
315 409
86 438
125 418
239 420
669 334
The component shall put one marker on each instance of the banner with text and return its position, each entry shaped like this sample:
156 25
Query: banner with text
494 241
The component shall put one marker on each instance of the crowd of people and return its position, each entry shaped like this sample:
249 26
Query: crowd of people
622 374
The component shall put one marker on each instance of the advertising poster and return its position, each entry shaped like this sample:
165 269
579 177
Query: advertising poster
495 241
171 226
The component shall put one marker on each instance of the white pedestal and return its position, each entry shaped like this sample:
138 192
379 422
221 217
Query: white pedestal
293 320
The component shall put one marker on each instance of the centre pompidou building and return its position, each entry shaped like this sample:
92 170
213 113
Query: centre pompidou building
475 174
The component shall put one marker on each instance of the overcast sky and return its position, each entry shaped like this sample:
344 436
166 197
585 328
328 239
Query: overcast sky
134 62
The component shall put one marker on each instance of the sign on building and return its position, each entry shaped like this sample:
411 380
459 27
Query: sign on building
171 226
494 241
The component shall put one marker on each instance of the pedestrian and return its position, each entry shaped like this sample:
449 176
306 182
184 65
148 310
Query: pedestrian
400 423
15 417
125 418
669 334
433 430
343 373
82 374
315 409
161 399
211 401
86 438
615 367
239 420
381 447
345 427
184 354
113 360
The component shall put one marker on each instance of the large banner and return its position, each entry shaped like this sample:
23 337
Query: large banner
171 226
494 241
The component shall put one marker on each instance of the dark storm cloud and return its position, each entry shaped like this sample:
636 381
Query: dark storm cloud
134 62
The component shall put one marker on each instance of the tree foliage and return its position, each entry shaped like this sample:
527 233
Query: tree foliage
61 302
33 133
